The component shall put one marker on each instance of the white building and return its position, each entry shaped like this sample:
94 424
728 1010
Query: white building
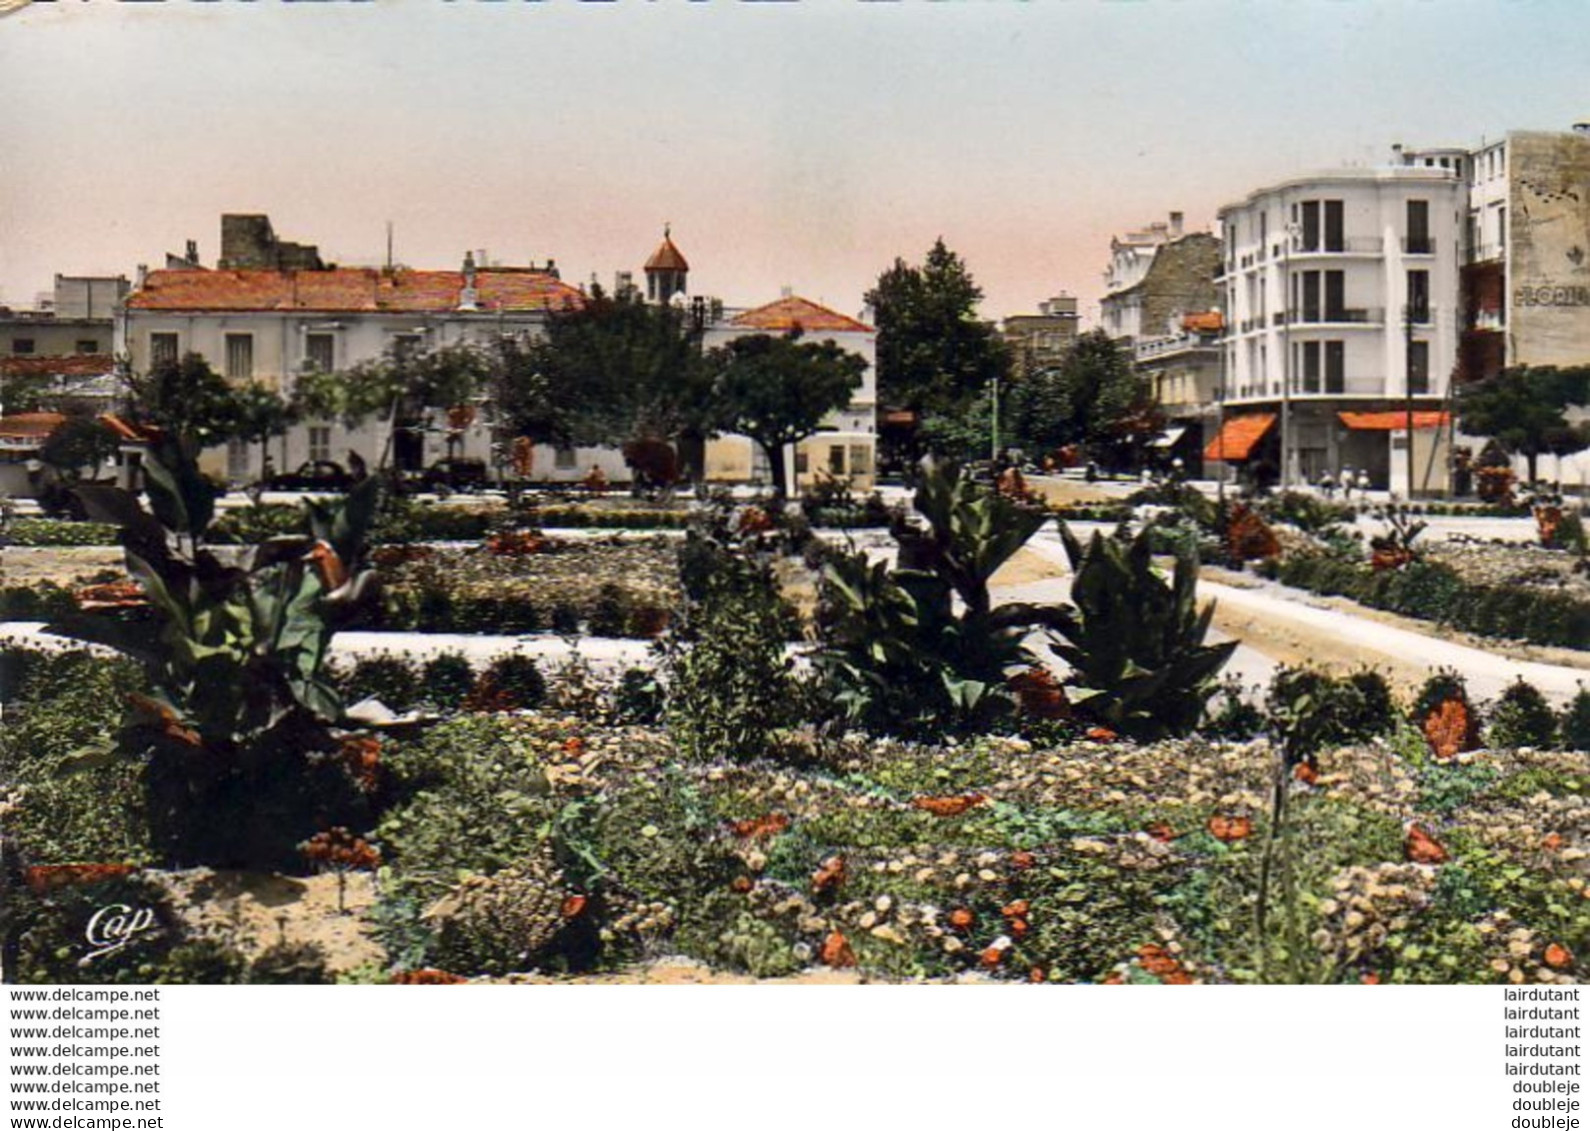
271 326
1341 302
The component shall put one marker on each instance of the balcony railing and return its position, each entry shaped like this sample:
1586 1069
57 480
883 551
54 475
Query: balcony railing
1482 252
1350 315
1352 245
1418 245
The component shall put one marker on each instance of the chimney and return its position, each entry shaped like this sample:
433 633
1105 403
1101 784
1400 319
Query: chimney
193 252
467 299
143 275
786 292
1175 225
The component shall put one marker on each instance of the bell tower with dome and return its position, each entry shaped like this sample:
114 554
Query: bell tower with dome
666 270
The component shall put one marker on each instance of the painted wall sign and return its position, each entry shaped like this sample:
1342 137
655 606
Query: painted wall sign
1551 296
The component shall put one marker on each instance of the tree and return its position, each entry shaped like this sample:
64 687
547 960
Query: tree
402 384
627 370
934 355
1095 398
1523 409
259 412
777 390
76 443
185 398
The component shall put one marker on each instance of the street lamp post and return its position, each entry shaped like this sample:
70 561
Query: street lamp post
1287 313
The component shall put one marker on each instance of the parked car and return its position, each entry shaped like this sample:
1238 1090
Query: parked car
316 475
451 475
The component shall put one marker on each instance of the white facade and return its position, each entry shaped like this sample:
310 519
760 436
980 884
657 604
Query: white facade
1131 255
1341 293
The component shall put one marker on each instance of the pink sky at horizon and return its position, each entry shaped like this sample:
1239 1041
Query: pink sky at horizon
802 145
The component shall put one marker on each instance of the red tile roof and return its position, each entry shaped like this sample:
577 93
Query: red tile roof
29 425
795 312
1392 421
352 290
58 365
1238 437
667 257
1203 322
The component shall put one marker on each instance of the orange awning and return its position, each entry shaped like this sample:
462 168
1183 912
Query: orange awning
1238 436
1392 421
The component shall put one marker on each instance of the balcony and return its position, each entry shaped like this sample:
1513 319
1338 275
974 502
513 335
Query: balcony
1345 316
1483 252
1418 245
1352 245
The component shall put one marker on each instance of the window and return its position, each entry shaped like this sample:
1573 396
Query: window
801 463
21 345
320 352
563 459
406 345
1335 240
1335 296
1419 296
319 442
1418 367
1310 226
239 357
88 345
1311 367
860 459
1501 227
236 459
1311 296
162 349
1335 367
836 459
1418 242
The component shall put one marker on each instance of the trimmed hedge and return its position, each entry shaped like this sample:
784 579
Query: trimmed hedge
59 532
1434 592
42 601
436 609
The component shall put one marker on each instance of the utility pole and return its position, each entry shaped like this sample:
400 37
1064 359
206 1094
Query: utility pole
1286 357
1407 384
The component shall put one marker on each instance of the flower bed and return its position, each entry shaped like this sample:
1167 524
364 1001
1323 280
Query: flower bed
1433 590
607 587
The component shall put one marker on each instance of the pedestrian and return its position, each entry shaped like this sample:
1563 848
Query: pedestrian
1363 484
1327 484
1347 484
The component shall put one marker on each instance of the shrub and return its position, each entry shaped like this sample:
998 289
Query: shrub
501 923
1136 646
59 532
1522 717
290 964
1576 722
248 525
730 684
391 679
510 683
1445 715
448 681
1233 718
1313 711
639 699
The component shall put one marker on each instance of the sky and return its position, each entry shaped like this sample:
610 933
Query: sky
802 145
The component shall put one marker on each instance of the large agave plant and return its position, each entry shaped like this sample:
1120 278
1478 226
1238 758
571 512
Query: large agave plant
239 636
921 647
1136 647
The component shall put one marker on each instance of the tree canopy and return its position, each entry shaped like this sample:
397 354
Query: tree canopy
1095 399
185 398
777 390
1523 409
934 355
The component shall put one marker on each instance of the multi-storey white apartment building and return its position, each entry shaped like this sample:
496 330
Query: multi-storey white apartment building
1341 312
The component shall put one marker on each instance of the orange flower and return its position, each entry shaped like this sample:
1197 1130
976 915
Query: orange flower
1102 734
962 919
361 757
836 952
830 875
1370 979
1558 957
340 850
1037 975
1552 842
427 977
1019 928
1039 694
1305 773
1230 828
740 885
1115 979
1422 848
572 906
948 806
574 745
1023 860
43 877
760 828
992 957
327 565
1448 729
1177 977
1161 832
1015 909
